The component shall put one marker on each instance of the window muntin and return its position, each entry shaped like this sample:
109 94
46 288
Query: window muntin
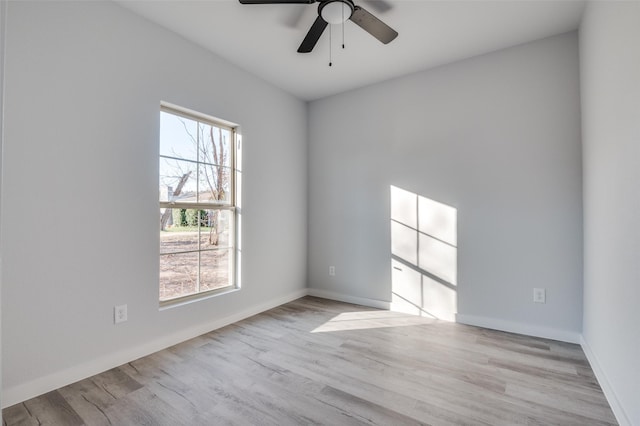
197 205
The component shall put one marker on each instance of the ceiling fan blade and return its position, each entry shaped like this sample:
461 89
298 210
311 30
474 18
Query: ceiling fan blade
277 1
373 25
313 35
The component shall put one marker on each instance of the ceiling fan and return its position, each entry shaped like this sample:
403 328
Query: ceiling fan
336 12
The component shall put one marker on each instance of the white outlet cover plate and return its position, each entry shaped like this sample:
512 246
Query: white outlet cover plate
119 314
539 295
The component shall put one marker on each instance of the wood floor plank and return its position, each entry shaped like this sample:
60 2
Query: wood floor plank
20 415
315 361
52 409
142 408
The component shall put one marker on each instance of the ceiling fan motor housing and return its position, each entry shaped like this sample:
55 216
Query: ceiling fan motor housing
336 11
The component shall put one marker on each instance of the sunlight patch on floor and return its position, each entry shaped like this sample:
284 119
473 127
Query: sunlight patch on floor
365 320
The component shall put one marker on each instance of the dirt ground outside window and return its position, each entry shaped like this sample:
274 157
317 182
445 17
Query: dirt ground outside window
179 271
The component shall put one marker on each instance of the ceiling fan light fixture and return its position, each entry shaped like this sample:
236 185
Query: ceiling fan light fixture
336 12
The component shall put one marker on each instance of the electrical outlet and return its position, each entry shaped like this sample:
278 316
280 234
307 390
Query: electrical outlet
539 295
332 270
119 314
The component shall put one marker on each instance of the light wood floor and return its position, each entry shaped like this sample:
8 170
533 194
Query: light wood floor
315 361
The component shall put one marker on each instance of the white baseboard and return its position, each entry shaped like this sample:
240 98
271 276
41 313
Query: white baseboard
519 328
41 385
612 399
373 303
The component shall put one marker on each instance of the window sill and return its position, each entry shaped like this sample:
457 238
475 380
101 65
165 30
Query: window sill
187 300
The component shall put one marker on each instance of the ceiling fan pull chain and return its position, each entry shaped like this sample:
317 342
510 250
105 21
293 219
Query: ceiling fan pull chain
330 45
343 26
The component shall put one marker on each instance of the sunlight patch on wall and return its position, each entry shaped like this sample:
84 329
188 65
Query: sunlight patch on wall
424 255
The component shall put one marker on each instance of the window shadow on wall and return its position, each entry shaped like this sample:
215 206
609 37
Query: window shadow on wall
424 255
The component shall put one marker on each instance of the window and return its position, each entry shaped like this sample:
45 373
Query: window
197 205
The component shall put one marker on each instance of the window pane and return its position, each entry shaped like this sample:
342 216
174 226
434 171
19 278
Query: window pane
215 145
180 232
178 137
215 228
215 184
177 176
195 168
178 275
215 269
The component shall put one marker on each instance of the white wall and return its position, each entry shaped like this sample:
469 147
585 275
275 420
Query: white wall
84 81
610 87
497 137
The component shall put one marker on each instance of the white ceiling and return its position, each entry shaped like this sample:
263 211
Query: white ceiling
263 39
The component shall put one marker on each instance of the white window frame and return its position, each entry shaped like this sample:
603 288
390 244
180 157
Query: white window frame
231 205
